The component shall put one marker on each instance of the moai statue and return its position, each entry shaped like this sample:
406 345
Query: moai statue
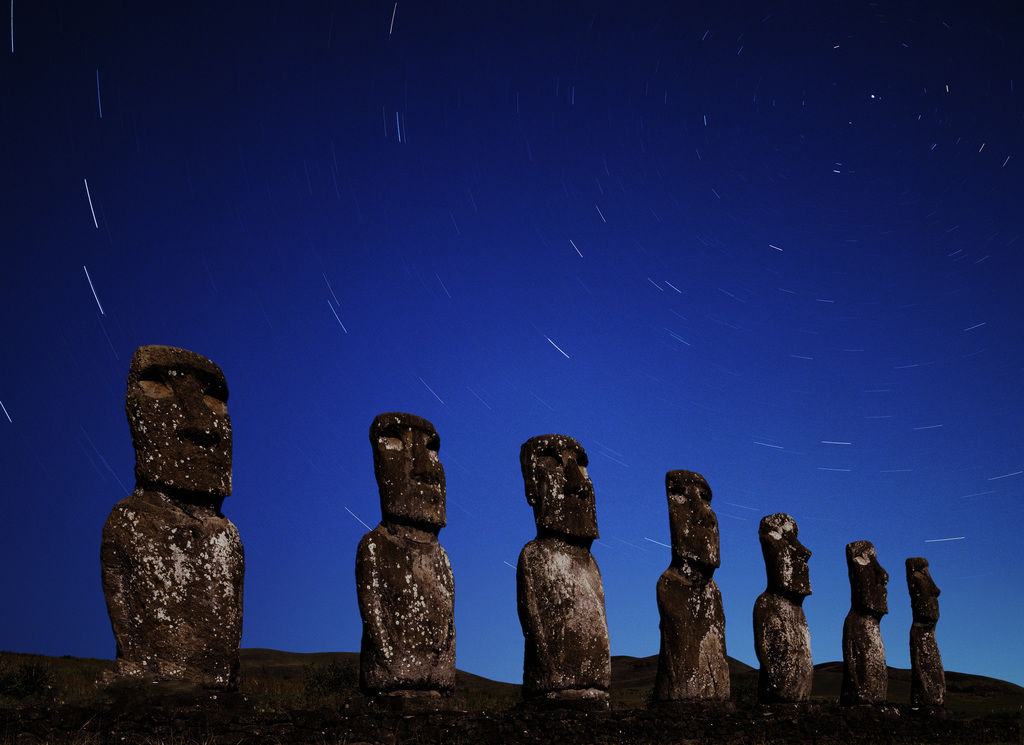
559 591
781 638
865 677
927 678
172 564
691 664
403 579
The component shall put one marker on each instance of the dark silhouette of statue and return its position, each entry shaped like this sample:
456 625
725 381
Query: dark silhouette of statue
865 677
403 578
559 590
927 678
691 663
172 564
781 637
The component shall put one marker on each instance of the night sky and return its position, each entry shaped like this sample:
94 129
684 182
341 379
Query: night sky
777 243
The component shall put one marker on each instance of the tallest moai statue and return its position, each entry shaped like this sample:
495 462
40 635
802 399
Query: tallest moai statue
172 564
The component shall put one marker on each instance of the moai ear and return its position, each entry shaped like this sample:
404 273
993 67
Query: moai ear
534 488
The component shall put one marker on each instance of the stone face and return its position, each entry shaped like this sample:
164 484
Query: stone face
782 640
865 677
172 565
177 410
692 664
559 590
558 487
410 477
404 580
927 678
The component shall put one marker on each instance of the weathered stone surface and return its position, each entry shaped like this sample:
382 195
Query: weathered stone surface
782 640
404 581
692 664
927 678
865 677
559 590
172 565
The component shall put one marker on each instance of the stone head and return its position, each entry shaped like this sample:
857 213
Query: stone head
410 477
693 524
558 487
924 595
785 558
177 406
867 578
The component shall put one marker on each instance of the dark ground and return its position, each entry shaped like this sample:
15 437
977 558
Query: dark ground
311 698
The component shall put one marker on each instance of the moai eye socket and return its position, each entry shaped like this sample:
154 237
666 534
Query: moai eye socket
215 404
391 443
550 457
152 383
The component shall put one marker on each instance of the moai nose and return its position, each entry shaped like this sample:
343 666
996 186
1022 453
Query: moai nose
423 468
198 424
574 479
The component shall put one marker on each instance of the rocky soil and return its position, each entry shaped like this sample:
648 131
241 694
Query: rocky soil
182 718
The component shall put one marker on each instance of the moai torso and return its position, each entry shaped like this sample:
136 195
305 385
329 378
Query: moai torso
404 581
407 599
172 565
559 590
172 575
692 664
782 640
561 609
927 677
865 676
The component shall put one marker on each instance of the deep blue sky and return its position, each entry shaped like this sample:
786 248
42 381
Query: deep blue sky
721 239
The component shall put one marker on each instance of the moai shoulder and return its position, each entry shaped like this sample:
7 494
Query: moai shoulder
559 590
404 580
172 564
692 664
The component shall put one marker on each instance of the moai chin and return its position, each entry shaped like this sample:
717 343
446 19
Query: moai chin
404 581
559 591
781 637
865 677
172 565
927 678
692 664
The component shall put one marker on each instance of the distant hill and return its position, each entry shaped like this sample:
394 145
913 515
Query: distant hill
293 666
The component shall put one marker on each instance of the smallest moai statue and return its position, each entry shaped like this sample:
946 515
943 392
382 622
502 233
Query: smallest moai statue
865 677
404 581
782 640
927 678
692 666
